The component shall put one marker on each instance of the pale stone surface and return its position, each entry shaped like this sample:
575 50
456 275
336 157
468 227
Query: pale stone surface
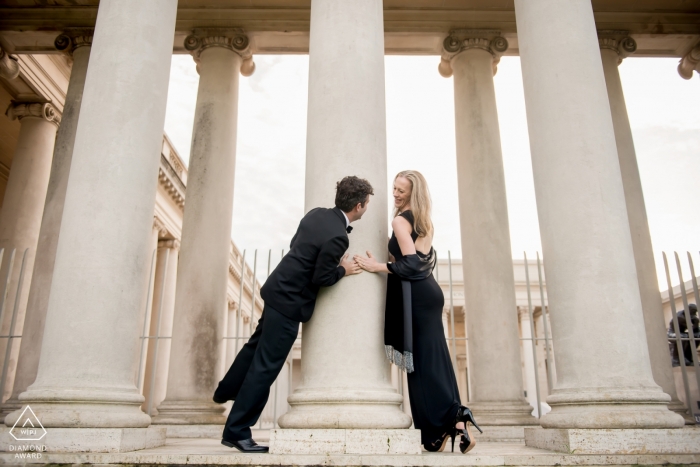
38 298
291 441
642 441
211 452
91 439
496 396
88 362
345 380
500 433
652 308
202 274
603 381
20 218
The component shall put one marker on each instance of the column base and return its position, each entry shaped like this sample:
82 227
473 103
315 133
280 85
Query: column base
190 413
284 441
681 409
347 409
9 406
611 409
613 441
87 440
503 413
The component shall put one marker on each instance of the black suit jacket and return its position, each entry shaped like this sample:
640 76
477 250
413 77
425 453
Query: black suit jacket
312 262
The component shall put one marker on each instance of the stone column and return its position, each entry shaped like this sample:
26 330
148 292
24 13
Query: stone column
346 382
206 231
162 313
689 63
86 375
489 285
20 218
615 47
604 377
77 43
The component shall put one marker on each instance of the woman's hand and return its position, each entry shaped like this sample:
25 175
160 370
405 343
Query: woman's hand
370 264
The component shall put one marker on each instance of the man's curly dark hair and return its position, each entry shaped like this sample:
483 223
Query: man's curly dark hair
350 191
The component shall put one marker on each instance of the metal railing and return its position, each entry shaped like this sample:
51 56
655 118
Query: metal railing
685 342
538 344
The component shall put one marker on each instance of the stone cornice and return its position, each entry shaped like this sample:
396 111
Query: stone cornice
9 67
460 40
234 40
170 180
72 39
39 110
690 62
617 41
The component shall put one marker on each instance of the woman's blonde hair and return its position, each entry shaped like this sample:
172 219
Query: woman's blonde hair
420 202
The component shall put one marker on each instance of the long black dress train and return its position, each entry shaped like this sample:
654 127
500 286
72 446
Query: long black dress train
432 386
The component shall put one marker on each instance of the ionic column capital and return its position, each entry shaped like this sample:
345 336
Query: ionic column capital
160 227
9 66
617 41
690 62
72 39
460 40
173 244
34 109
234 40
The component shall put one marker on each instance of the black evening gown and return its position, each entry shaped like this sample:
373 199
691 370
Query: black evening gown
432 387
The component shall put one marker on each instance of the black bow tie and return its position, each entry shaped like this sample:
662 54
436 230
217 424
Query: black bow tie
348 229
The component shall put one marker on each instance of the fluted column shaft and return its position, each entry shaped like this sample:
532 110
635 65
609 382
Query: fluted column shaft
161 324
202 275
87 367
489 285
603 380
38 300
20 218
612 52
346 382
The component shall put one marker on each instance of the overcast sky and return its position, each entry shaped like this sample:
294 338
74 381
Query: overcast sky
664 113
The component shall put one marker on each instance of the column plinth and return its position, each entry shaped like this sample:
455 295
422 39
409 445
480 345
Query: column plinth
89 356
614 48
202 274
604 378
37 303
494 351
346 382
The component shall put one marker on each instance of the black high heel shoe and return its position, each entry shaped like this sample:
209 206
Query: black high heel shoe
467 441
439 444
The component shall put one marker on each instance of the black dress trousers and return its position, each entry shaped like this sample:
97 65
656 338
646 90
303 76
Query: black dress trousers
254 370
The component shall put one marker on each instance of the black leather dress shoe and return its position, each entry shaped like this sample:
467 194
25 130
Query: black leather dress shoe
245 445
219 400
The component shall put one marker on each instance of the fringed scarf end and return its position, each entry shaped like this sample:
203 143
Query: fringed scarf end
402 360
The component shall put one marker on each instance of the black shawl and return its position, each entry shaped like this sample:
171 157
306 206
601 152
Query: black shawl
399 345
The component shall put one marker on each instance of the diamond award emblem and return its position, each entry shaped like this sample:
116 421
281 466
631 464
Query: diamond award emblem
28 427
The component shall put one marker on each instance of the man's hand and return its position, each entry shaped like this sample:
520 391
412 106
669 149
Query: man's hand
350 266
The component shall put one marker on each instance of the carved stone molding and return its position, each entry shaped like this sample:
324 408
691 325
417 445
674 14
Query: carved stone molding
234 40
159 225
173 244
176 165
72 39
232 304
9 65
35 109
617 41
460 40
689 63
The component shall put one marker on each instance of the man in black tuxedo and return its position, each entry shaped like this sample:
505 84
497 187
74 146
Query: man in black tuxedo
316 259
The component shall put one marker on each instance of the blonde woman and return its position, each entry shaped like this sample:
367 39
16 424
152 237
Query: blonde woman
414 337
